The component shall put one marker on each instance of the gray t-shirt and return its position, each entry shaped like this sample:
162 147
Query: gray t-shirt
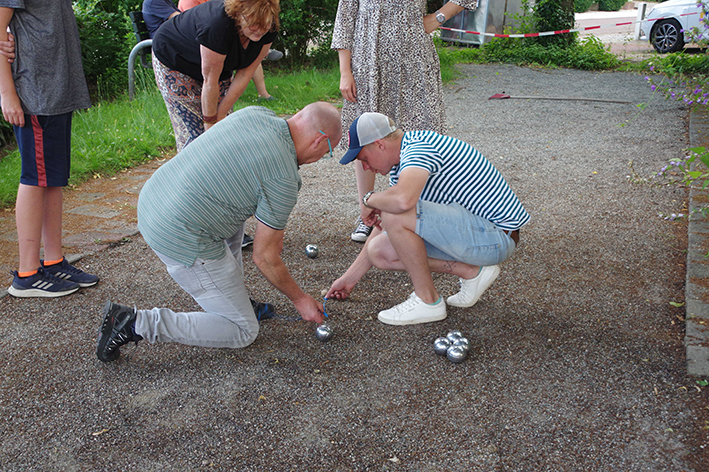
47 71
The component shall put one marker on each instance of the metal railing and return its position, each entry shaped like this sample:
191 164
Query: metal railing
131 65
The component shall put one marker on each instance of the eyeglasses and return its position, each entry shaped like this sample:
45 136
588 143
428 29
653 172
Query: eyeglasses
328 143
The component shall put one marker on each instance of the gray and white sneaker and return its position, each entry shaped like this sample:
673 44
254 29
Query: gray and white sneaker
273 55
361 232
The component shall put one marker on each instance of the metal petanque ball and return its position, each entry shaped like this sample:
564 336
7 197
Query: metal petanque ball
323 333
453 335
441 345
312 251
456 354
462 342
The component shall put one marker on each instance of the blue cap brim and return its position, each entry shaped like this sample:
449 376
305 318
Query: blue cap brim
350 155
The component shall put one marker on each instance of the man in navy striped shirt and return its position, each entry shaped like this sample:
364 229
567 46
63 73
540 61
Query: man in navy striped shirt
447 210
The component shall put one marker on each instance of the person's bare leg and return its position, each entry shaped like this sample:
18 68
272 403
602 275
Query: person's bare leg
52 224
411 252
260 82
29 215
384 257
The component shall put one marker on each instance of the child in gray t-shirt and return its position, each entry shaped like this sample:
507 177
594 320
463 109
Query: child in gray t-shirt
39 91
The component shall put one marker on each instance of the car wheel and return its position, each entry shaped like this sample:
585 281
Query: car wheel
667 36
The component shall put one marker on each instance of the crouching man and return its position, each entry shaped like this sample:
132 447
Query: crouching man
447 210
192 212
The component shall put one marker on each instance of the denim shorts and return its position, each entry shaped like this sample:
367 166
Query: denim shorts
452 233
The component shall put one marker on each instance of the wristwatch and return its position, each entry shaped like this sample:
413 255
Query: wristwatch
365 198
440 17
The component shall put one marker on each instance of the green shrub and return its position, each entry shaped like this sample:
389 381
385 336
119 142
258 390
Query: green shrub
582 6
589 54
106 40
552 15
304 23
610 5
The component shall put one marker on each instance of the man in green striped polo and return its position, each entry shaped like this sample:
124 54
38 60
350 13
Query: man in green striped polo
192 213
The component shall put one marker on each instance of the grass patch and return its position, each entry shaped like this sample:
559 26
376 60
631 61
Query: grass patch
116 135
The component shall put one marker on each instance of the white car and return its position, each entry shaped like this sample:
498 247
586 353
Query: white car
667 25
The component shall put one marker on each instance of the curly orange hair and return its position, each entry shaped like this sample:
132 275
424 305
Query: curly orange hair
261 13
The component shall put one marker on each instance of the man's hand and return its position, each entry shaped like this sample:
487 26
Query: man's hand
7 48
340 289
310 309
370 217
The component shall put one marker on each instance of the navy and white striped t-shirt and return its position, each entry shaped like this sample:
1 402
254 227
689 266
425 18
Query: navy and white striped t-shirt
460 174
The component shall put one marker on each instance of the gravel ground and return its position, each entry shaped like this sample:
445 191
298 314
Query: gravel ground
577 356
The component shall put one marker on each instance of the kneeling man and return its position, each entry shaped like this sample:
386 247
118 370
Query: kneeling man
447 210
192 213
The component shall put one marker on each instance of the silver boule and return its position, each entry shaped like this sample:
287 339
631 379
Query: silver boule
453 335
462 342
456 354
312 251
323 333
441 345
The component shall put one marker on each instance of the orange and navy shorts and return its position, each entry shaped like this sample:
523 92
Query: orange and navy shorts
45 149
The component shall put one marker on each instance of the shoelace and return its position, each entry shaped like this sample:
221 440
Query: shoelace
362 228
51 277
407 304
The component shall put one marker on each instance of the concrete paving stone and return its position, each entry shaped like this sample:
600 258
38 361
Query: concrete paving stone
94 211
91 196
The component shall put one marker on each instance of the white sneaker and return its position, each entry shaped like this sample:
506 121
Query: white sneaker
472 289
413 311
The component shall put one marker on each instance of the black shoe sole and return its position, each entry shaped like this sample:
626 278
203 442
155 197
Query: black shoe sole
104 335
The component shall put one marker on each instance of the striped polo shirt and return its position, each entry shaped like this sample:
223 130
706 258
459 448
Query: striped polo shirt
460 174
244 165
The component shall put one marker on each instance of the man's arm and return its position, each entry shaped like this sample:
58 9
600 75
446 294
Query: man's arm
11 105
342 287
268 244
403 196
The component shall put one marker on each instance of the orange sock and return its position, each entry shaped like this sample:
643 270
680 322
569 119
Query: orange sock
50 263
27 274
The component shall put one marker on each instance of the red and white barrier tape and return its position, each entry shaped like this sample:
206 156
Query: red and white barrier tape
550 33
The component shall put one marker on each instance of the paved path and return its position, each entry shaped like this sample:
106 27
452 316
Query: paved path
578 363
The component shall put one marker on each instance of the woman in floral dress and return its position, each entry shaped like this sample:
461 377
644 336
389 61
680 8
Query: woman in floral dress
389 65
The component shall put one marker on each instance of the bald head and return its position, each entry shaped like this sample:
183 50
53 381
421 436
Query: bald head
305 128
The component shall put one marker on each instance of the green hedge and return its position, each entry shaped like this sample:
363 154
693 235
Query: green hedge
610 5
582 6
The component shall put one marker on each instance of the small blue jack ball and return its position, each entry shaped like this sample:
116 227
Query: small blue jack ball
312 251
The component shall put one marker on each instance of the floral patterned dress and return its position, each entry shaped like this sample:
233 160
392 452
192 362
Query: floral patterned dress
394 62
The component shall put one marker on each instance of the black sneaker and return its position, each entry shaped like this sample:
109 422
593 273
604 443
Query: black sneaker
66 271
361 232
263 311
41 284
118 328
247 241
